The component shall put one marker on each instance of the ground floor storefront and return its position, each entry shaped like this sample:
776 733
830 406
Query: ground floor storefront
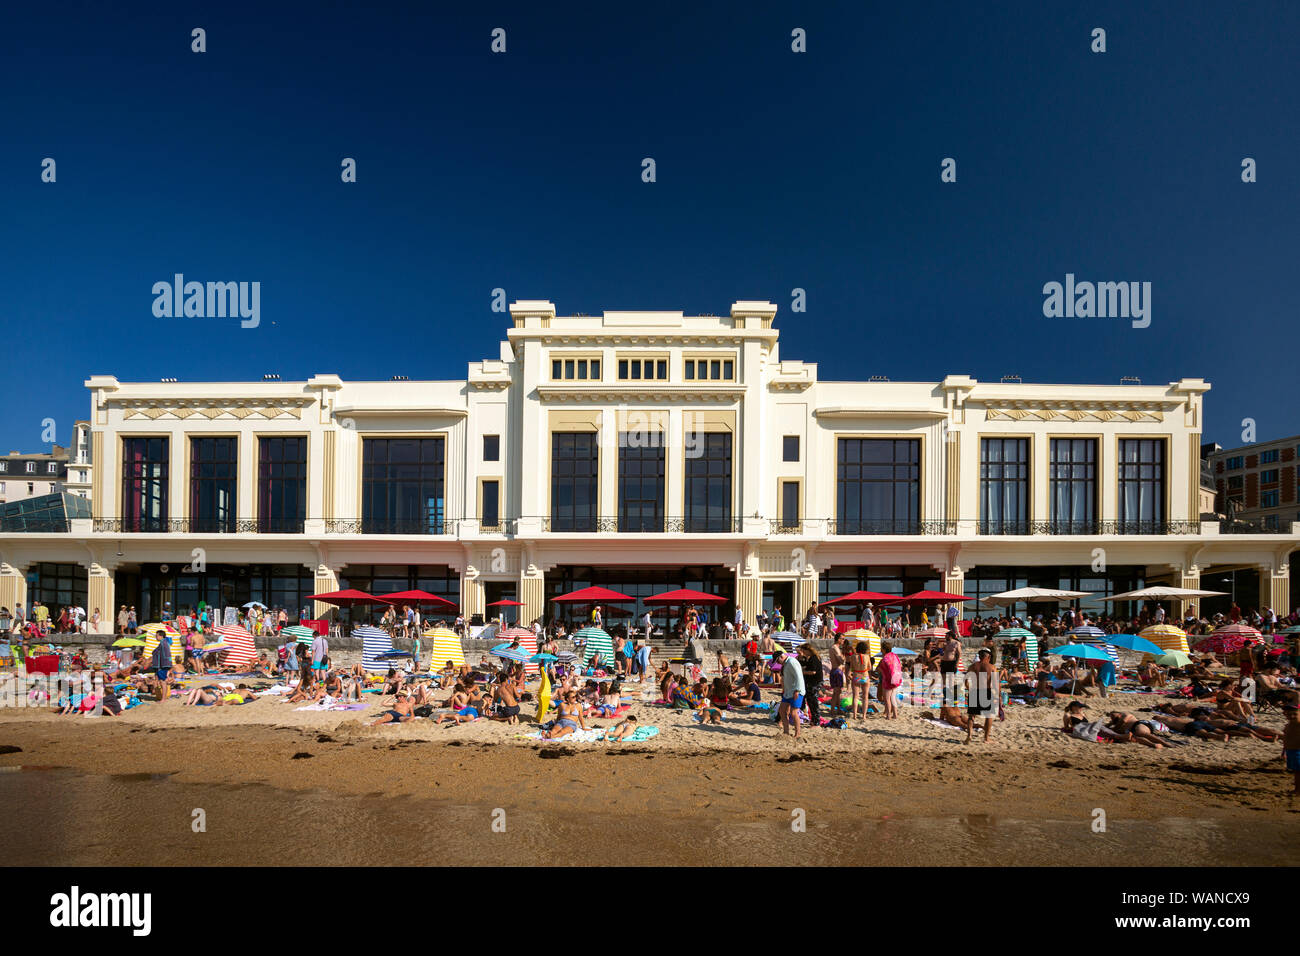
150 572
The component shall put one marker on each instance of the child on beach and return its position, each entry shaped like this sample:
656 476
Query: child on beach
1291 742
623 729
609 704
837 688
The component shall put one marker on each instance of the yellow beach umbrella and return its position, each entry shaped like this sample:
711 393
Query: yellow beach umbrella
862 634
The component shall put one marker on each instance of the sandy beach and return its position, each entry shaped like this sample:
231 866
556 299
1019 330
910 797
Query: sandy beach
1189 803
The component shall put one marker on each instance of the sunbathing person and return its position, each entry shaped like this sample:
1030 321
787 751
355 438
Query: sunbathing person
242 694
400 713
1152 675
393 681
609 703
507 701
747 693
458 699
568 717
1237 728
307 693
1231 702
201 697
953 717
1137 729
1194 727
623 729
1076 723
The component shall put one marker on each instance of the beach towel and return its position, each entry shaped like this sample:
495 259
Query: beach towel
640 735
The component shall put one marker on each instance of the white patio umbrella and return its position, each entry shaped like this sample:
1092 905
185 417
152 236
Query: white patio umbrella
1161 592
1007 598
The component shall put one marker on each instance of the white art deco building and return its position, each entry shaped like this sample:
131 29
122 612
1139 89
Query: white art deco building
641 451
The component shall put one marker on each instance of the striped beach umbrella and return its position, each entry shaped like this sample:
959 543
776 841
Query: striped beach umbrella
1168 637
1030 638
303 635
154 633
595 641
527 642
242 652
1244 631
446 647
862 634
374 643
1091 634
788 637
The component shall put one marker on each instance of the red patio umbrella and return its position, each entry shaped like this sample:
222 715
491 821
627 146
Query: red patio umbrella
506 603
591 595
685 596
932 597
418 597
347 597
865 597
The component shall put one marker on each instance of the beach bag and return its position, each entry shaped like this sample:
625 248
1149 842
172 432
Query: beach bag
424 710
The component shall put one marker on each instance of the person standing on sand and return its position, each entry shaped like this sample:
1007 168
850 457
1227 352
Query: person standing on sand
792 693
811 665
948 659
320 649
891 678
1291 743
983 694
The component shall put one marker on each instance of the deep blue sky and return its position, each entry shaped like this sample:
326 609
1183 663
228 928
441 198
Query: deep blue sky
775 170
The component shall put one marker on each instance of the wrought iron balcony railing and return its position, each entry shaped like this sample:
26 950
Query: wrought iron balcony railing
890 526
198 525
439 526
1088 527
626 524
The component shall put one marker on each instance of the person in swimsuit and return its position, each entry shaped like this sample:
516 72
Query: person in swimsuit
507 702
401 712
1142 731
860 678
623 729
1196 728
568 717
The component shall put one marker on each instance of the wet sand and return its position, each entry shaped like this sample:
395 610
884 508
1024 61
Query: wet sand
123 792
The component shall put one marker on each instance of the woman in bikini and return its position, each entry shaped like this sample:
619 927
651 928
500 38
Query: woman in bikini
568 717
860 678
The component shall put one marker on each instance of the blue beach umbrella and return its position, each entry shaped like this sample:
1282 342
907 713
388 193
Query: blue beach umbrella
1082 651
1131 642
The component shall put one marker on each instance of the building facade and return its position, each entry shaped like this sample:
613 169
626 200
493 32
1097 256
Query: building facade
641 451
1256 483
34 475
